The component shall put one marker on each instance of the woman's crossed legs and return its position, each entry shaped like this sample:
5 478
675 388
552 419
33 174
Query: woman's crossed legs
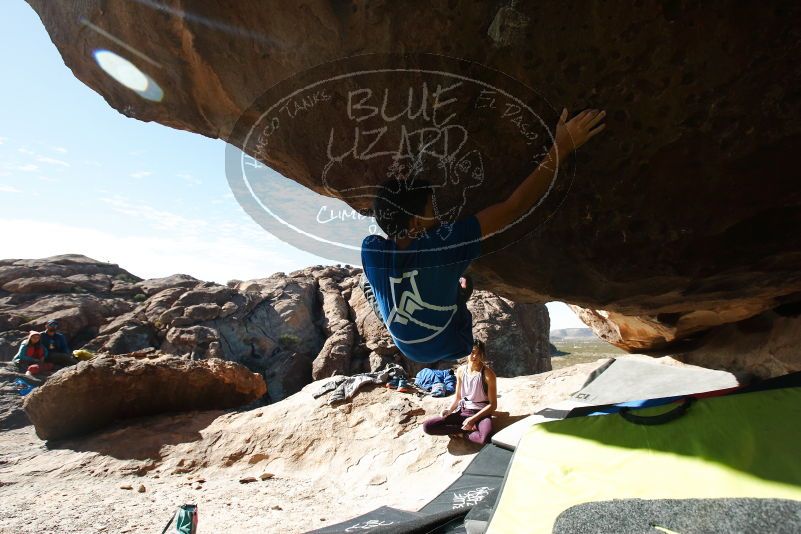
452 424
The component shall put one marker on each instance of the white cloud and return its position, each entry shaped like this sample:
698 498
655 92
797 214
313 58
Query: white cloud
27 151
52 161
9 189
29 167
48 179
140 174
3 140
205 257
188 178
60 149
91 162
159 219
225 198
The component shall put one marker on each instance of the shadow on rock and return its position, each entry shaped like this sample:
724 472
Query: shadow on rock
97 393
463 447
460 446
142 438
501 420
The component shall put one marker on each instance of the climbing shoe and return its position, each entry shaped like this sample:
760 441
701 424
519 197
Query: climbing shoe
393 383
403 386
438 389
369 294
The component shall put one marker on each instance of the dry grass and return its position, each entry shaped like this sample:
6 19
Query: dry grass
583 351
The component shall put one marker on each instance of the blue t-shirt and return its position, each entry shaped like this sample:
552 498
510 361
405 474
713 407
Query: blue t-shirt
417 289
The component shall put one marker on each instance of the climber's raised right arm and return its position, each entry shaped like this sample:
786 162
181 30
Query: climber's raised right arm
569 136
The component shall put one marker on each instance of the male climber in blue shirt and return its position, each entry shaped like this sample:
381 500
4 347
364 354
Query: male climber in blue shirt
415 277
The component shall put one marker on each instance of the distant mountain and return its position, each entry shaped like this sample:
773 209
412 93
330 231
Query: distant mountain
571 333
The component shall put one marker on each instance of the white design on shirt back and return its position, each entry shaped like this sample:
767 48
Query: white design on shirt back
410 301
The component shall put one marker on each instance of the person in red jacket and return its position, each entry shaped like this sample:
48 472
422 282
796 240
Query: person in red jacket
31 355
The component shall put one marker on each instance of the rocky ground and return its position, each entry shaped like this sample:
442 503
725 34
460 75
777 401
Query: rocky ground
291 466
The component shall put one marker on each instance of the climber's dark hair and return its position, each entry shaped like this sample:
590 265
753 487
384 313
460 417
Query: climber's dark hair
398 201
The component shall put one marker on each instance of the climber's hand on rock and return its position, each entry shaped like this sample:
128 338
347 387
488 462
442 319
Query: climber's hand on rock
571 134
446 412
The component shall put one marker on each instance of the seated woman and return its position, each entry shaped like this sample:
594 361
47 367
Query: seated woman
474 402
31 355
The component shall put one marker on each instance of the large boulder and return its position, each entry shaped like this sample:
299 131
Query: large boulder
272 325
515 334
74 289
680 213
764 346
95 393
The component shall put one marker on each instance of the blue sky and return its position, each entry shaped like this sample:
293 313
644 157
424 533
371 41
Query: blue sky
76 176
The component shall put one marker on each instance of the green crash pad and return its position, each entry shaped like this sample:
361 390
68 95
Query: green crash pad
736 446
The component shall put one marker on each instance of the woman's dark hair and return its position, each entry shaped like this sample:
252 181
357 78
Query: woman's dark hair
397 202
478 344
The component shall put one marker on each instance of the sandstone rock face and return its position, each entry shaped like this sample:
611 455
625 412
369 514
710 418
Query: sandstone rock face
306 325
678 214
74 289
763 346
289 328
650 332
93 394
334 357
376 343
512 334
39 284
11 412
155 285
631 333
